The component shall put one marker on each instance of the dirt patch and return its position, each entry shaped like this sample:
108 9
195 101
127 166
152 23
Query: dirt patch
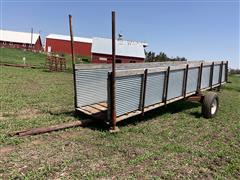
37 142
6 150
1 116
28 113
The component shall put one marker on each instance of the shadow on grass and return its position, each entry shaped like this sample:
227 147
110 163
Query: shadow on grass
171 108
158 112
231 88
99 125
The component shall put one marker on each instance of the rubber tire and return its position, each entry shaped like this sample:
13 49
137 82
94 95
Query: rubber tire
207 105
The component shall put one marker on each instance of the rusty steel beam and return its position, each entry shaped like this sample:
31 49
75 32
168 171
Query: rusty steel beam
41 130
73 61
113 86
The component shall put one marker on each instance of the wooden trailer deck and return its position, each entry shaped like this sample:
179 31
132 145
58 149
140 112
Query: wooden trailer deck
96 110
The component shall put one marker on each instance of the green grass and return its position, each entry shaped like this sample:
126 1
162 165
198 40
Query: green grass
171 142
15 56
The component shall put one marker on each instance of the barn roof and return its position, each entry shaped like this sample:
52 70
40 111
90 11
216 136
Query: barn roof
123 47
18 37
67 38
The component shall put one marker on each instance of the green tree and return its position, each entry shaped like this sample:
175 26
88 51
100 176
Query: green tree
150 56
161 57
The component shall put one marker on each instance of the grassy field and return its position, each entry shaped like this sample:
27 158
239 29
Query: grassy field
172 142
15 56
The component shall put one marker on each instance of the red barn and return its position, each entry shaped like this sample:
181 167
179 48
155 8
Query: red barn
61 44
21 40
126 51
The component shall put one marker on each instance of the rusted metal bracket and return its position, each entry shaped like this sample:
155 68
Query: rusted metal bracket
196 98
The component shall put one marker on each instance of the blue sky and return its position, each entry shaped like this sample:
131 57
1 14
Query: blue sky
197 30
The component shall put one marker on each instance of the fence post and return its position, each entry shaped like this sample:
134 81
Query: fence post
73 61
113 103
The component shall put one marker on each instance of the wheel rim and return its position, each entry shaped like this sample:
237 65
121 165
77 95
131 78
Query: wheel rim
214 106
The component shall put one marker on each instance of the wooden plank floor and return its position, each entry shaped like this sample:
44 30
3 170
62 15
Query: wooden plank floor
97 110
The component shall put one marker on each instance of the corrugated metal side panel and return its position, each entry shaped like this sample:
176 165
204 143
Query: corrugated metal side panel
91 86
205 77
216 74
192 80
154 88
223 73
128 91
175 84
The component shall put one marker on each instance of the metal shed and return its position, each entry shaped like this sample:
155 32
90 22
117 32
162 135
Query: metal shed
126 51
142 87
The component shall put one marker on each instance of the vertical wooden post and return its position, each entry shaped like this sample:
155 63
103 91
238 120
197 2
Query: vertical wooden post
199 79
73 61
166 85
143 94
113 103
185 81
211 75
226 72
220 76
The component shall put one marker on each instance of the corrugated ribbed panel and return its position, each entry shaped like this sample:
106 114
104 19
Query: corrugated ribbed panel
205 77
91 86
175 84
128 91
154 88
223 73
192 80
216 74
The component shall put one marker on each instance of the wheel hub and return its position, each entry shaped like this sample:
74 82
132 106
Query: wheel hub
214 107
